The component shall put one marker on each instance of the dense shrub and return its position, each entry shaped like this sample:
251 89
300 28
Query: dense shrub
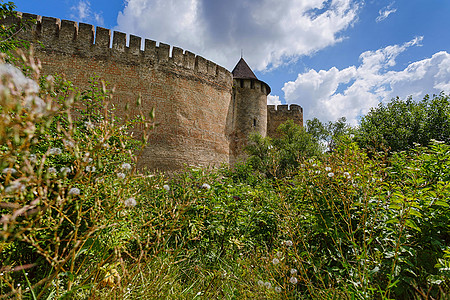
279 156
398 125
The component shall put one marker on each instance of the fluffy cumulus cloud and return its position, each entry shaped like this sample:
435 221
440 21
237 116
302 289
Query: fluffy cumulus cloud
83 12
273 100
270 32
351 92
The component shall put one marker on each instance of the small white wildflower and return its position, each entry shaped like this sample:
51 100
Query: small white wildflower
166 187
15 187
268 285
65 170
69 144
328 169
32 158
35 105
16 77
74 191
293 271
55 151
126 166
206 186
314 165
288 243
347 175
278 289
302 165
260 283
9 170
275 261
52 170
331 174
130 202
121 175
293 280
18 284
279 254
90 169
89 125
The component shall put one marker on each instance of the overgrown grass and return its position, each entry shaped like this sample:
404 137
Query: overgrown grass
78 221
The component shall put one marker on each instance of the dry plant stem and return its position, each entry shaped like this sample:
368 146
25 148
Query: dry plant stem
75 238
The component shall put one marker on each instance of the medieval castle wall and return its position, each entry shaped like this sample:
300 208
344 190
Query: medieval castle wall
203 120
276 115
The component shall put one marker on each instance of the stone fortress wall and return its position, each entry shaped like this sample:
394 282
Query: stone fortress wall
276 115
199 118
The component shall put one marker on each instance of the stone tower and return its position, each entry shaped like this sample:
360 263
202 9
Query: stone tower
249 106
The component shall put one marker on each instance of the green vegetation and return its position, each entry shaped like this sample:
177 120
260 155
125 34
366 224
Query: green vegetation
399 125
301 219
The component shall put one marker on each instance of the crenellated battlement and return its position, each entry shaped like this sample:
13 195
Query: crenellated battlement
205 112
253 84
72 38
284 108
276 115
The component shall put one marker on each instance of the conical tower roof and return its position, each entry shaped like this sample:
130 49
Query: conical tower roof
243 71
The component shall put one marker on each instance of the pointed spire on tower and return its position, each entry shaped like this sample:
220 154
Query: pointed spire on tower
243 71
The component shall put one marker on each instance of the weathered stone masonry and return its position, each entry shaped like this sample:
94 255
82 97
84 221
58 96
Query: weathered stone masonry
205 116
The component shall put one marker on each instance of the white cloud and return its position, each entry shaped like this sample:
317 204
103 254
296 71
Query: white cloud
385 12
330 94
271 32
83 13
273 100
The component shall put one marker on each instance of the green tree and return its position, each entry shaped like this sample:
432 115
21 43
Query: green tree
280 155
9 31
398 125
329 134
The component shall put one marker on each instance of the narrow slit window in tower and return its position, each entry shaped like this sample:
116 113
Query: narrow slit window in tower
252 84
242 83
254 122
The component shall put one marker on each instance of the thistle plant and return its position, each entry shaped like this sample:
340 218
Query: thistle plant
59 192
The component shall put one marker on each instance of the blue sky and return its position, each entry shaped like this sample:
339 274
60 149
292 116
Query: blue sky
333 57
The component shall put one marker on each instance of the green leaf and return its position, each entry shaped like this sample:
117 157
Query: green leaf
412 225
416 213
442 203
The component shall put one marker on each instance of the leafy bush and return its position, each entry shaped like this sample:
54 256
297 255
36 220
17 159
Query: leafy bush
400 124
281 155
329 134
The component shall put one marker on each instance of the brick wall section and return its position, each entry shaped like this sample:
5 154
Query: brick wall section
191 95
276 115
